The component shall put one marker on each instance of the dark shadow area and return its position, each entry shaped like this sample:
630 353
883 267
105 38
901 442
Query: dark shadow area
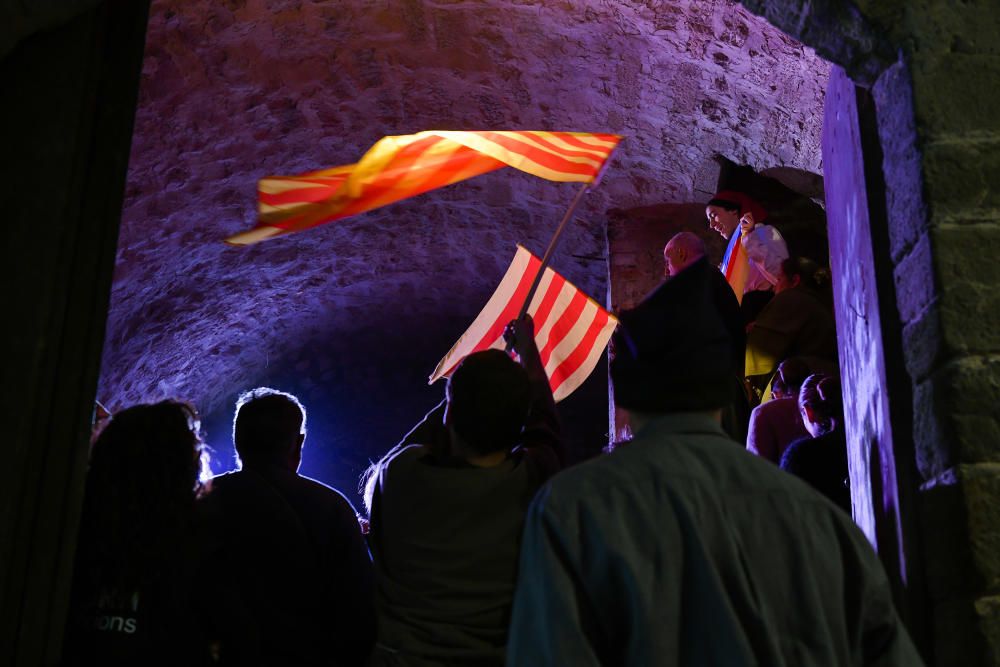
67 101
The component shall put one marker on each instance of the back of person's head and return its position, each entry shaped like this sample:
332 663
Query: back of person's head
690 241
821 403
672 352
682 250
489 396
146 469
789 377
267 426
810 275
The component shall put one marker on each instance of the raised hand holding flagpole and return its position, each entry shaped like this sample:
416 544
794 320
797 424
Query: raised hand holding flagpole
571 330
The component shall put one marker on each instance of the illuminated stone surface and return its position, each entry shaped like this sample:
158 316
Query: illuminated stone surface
353 316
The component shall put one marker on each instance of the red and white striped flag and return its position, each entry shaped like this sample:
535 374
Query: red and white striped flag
571 329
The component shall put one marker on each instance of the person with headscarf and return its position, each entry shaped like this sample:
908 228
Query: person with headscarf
680 549
754 251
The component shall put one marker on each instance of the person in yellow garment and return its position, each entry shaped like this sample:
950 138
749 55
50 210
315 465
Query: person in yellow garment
797 322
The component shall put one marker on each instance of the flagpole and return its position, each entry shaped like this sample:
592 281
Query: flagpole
552 247
559 230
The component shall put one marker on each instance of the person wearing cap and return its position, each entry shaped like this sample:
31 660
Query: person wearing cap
739 219
682 250
680 549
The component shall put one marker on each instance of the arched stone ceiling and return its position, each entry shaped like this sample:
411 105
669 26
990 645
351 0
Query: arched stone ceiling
354 315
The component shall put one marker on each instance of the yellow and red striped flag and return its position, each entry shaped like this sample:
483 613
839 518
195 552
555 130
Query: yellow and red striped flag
571 329
404 166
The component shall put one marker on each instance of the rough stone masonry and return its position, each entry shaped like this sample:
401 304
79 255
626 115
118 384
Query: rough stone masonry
353 316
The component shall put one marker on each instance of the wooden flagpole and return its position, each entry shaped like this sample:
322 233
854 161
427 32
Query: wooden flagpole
555 238
552 247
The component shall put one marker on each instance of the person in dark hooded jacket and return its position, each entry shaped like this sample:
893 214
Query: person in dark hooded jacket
679 548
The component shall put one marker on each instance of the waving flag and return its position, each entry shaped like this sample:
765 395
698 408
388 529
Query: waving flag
736 264
571 329
403 166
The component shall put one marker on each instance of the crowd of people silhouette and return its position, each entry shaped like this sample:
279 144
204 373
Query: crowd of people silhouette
691 544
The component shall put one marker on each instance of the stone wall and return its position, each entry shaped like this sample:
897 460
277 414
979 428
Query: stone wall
354 316
946 277
940 135
944 246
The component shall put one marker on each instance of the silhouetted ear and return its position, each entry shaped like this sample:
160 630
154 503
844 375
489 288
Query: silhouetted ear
810 413
295 455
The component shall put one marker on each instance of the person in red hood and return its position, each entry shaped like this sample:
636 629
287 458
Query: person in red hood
735 215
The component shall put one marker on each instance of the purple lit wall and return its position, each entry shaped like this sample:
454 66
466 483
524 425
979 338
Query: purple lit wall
859 326
353 316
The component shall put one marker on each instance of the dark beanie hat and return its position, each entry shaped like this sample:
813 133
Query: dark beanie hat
672 351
